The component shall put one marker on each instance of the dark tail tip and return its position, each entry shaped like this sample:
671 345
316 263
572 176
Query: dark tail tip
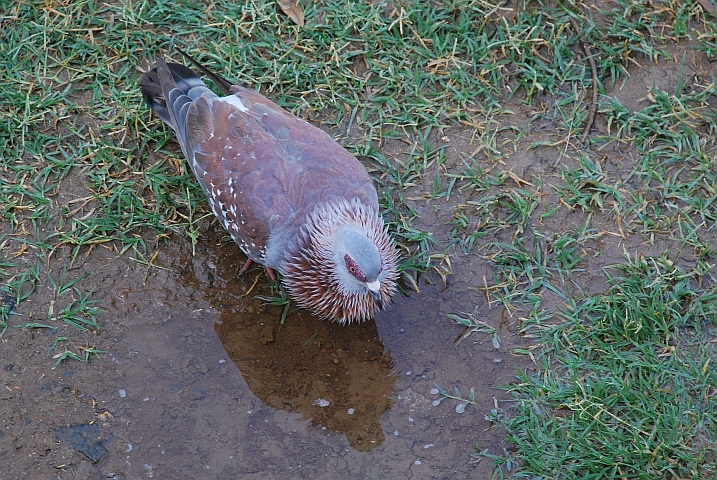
150 84
151 88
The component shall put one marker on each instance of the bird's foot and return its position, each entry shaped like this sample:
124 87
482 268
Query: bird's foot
246 266
269 272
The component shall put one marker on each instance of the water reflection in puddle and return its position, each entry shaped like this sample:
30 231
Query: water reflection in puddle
338 377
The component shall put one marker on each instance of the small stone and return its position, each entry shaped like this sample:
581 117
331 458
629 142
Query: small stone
122 394
321 402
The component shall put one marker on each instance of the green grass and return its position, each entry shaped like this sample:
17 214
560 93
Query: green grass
84 165
626 388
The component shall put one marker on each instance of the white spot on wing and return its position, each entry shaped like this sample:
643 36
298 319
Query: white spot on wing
234 100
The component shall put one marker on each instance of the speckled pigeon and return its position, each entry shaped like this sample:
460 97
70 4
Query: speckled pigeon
291 197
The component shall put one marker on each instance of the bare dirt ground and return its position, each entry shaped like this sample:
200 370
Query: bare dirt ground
200 380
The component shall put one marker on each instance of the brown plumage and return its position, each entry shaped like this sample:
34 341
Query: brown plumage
289 195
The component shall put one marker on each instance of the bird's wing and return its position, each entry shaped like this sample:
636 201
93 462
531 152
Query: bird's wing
264 169
232 160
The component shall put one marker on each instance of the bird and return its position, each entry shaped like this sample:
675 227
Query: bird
290 196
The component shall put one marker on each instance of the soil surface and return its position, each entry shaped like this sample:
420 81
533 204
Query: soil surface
201 380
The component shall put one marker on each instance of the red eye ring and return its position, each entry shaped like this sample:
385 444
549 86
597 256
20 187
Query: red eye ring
354 269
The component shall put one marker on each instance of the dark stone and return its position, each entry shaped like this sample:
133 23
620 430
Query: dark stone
86 439
8 302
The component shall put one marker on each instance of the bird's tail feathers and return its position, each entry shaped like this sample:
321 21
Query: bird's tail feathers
221 82
168 89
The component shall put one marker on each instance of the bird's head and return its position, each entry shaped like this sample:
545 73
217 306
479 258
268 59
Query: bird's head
357 263
344 266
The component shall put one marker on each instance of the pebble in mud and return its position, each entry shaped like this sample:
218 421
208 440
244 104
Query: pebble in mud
321 402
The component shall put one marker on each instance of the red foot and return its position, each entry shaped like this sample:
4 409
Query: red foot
269 272
246 266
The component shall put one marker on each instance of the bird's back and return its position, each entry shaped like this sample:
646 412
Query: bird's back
263 169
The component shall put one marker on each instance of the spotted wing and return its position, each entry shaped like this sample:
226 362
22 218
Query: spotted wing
264 169
229 158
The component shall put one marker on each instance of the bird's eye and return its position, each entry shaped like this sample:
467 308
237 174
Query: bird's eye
354 268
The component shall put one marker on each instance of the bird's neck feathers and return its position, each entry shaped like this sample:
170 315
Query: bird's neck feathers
315 275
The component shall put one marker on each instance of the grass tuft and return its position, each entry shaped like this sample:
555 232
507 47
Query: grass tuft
623 379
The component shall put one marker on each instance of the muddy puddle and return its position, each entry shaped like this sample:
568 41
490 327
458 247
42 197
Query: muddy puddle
203 380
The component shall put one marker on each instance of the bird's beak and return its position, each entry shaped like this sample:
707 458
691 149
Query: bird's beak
374 289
